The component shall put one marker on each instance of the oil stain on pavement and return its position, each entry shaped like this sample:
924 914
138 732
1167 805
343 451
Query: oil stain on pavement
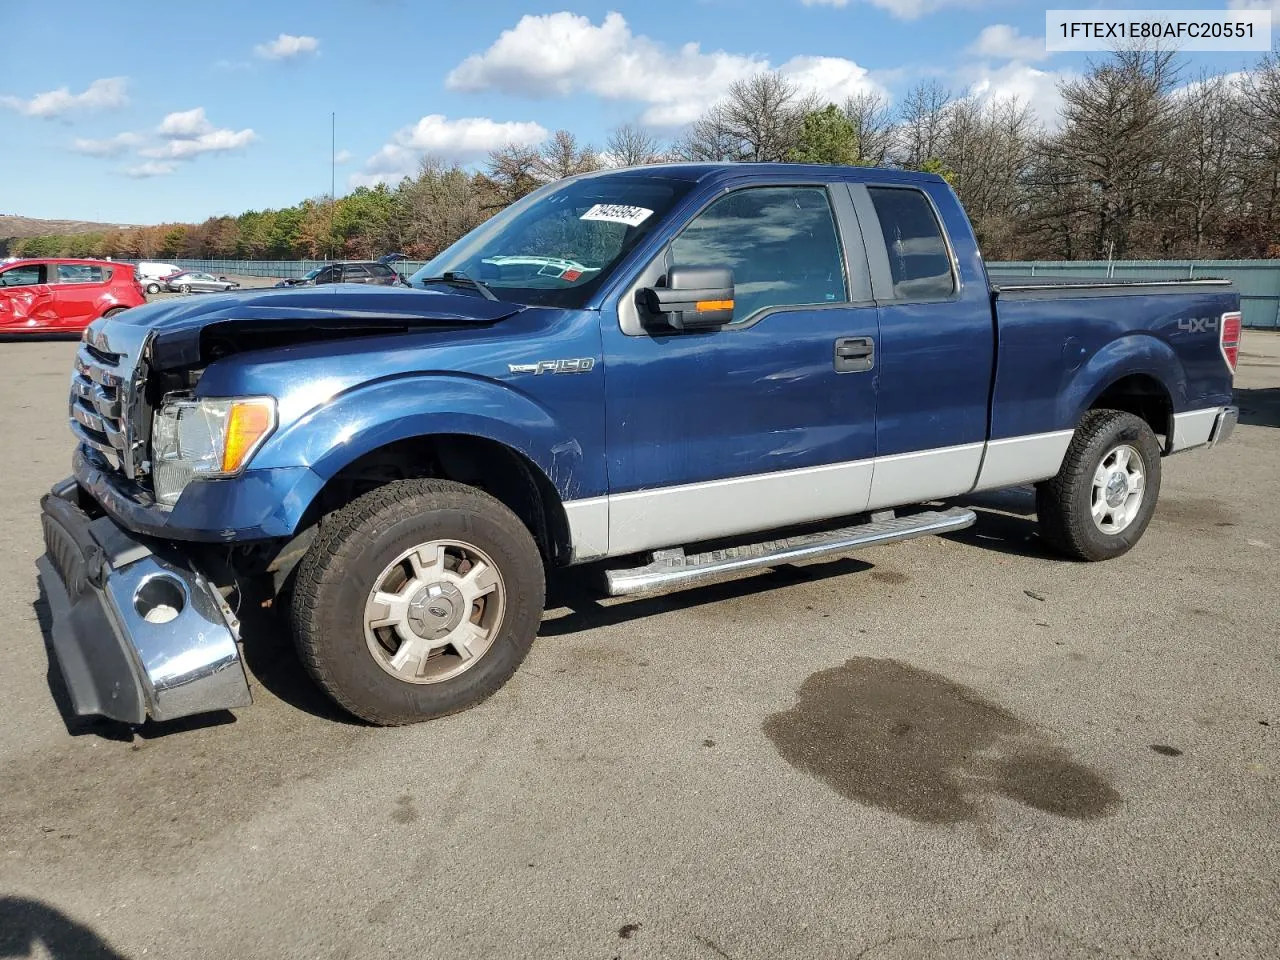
914 743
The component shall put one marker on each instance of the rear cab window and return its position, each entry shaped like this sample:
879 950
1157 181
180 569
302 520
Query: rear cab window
919 259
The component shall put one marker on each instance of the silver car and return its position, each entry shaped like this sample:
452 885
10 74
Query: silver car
189 281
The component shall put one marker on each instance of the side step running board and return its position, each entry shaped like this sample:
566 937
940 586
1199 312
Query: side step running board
672 568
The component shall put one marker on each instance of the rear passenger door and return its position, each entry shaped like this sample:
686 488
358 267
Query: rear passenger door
78 290
355 273
936 350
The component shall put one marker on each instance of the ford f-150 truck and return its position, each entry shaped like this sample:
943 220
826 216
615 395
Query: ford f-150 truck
675 371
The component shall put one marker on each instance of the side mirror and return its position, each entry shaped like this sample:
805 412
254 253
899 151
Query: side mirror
695 298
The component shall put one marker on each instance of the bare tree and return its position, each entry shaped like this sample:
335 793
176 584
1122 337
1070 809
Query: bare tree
872 124
986 147
632 145
758 120
1118 134
513 172
922 123
1204 165
561 157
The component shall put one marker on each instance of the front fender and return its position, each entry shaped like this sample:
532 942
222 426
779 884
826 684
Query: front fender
371 416
1136 353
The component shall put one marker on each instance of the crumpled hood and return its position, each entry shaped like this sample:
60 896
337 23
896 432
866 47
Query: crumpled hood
175 326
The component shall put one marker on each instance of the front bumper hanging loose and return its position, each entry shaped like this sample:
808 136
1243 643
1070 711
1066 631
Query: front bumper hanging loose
136 634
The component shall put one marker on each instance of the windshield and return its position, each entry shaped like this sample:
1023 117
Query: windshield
557 245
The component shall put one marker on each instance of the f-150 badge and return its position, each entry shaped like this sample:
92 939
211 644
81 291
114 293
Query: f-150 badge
554 366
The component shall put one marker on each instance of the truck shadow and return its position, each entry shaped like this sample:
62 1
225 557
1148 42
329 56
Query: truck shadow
1006 522
579 590
1260 407
30 928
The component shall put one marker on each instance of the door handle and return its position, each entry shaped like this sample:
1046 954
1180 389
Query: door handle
855 354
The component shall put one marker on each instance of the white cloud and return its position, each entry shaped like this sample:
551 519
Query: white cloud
110 147
342 156
902 9
106 94
1003 42
185 123
1272 5
463 140
286 47
152 168
216 141
559 53
1037 89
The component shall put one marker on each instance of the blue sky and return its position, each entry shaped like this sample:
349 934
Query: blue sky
173 111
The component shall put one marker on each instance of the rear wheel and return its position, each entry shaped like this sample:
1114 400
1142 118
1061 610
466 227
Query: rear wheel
417 600
113 311
1101 501
153 288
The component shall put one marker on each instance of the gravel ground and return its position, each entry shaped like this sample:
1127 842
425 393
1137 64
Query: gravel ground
952 748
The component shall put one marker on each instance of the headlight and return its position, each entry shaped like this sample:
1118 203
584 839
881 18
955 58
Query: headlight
205 438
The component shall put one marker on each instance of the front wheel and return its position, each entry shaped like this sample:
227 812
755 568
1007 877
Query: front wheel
1099 504
185 288
419 599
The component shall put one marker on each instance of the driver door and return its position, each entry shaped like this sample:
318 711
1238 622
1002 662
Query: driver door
763 422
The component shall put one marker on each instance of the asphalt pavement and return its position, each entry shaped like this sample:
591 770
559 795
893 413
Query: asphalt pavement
947 748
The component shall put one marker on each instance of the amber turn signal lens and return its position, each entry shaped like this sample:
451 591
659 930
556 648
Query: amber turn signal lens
706 306
248 424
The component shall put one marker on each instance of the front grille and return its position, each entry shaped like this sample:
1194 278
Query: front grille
98 416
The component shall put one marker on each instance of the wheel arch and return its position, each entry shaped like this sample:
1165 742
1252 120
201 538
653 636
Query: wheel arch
1138 374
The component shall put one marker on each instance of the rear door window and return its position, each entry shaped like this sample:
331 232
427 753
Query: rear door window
80 273
382 271
919 260
355 272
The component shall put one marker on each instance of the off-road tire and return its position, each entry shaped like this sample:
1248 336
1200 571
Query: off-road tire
1064 502
355 543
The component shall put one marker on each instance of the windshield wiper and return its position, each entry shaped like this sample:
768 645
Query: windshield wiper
457 277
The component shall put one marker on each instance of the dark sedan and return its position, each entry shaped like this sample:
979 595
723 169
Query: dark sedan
375 272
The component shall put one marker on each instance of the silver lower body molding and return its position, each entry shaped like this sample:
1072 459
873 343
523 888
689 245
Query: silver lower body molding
673 568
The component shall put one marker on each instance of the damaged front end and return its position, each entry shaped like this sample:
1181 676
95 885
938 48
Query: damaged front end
164 515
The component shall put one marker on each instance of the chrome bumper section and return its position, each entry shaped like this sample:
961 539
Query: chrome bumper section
136 634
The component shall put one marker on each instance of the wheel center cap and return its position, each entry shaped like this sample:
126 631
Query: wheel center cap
1117 489
436 610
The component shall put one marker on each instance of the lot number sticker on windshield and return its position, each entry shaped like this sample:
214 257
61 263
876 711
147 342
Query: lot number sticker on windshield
618 213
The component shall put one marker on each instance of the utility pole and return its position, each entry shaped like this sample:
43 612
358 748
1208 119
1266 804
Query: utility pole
333 173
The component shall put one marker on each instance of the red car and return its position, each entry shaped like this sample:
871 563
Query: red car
61 295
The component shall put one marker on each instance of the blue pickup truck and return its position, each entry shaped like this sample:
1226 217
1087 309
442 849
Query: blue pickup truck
674 372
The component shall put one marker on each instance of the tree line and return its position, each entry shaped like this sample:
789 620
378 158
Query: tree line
1144 161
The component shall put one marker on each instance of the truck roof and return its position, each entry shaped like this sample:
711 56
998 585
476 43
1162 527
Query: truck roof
699 171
